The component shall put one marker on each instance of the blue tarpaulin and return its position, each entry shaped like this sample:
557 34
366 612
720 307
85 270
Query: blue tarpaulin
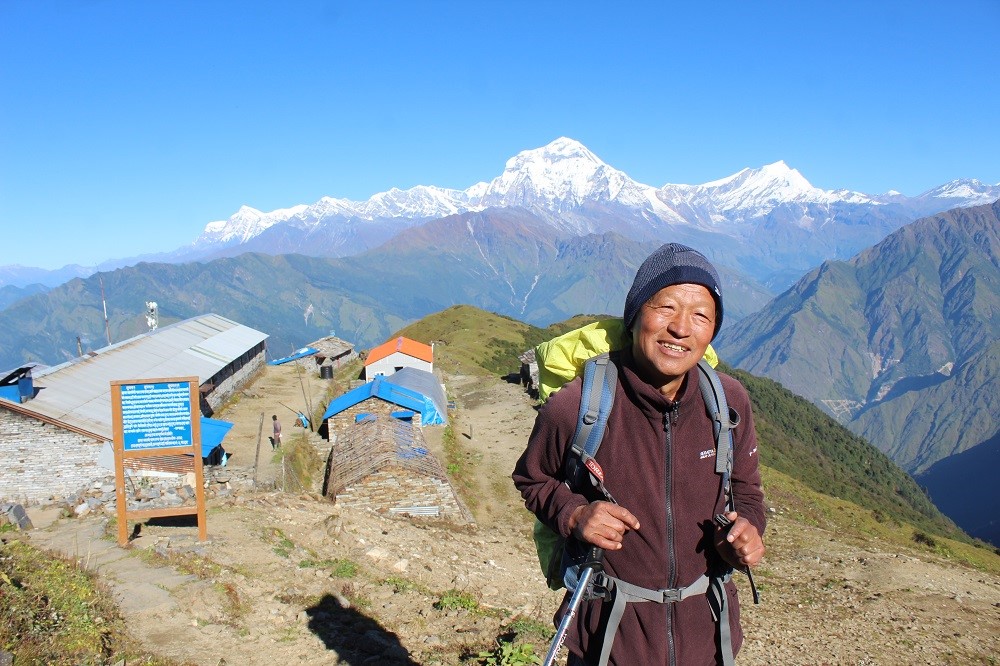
213 431
299 353
426 397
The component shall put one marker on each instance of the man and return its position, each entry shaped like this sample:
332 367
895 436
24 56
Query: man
658 457
276 437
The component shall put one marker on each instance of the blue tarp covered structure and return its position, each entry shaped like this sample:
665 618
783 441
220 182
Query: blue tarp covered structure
412 389
298 353
213 431
17 386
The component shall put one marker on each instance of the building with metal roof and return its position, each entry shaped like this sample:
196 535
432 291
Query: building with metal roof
394 355
52 432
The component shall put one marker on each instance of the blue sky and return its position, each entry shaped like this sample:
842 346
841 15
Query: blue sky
126 126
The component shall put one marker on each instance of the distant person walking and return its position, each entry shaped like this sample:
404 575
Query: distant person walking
276 438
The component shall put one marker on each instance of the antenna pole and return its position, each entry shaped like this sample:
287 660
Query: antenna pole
107 326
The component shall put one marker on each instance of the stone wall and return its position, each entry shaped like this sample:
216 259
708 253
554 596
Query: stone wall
394 490
383 465
39 462
232 384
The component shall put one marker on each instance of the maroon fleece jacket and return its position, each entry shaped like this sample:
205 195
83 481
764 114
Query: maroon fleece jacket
658 458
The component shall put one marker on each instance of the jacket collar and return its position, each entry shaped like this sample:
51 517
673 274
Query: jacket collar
647 397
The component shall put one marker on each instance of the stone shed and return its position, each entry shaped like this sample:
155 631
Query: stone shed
382 464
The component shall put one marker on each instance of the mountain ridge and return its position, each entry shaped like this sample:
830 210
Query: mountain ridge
900 343
573 190
504 261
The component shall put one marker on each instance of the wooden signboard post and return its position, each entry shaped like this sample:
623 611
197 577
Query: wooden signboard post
157 425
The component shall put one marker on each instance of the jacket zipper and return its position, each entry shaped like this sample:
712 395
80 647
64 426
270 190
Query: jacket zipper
671 566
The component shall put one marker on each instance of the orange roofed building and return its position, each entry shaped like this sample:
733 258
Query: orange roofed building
397 354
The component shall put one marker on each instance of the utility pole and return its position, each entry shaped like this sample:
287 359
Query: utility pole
107 326
256 460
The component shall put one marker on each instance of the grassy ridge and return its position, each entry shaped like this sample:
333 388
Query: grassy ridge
468 340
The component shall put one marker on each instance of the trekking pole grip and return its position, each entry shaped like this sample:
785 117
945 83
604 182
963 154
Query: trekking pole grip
595 558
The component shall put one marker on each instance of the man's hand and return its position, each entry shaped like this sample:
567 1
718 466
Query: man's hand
740 544
602 524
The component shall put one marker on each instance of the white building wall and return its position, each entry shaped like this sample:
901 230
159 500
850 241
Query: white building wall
390 363
39 461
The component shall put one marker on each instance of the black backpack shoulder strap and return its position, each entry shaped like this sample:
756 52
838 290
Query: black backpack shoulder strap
724 420
600 379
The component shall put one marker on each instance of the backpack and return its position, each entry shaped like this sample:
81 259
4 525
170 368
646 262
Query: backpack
560 567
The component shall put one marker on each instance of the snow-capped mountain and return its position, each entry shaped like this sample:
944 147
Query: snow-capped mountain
553 180
754 192
563 175
246 223
770 220
968 191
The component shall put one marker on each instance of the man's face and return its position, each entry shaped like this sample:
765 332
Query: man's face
671 333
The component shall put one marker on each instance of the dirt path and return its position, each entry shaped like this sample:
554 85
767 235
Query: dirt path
282 391
273 583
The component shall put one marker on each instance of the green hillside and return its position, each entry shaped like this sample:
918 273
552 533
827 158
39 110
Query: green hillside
800 440
796 438
900 343
471 341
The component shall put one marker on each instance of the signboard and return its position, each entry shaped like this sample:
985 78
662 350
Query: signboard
156 415
157 425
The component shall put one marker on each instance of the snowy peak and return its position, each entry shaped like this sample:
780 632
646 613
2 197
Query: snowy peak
762 189
244 224
562 148
965 189
416 203
774 181
562 180
560 175
419 201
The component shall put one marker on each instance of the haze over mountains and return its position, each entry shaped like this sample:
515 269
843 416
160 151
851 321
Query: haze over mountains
769 223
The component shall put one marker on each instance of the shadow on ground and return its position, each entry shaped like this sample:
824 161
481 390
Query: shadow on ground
355 637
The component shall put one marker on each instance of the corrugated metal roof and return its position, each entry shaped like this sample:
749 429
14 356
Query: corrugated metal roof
404 346
425 383
78 393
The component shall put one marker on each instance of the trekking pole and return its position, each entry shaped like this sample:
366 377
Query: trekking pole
587 570
591 565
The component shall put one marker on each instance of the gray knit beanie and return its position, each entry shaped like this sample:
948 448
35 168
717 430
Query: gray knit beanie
672 264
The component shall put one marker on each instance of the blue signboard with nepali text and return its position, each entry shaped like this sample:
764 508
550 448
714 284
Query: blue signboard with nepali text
156 427
156 415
